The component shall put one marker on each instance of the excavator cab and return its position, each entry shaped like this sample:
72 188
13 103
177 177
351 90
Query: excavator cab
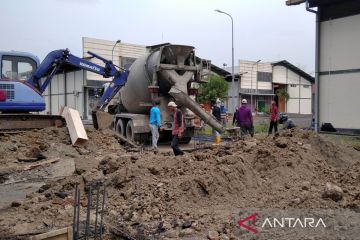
17 65
17 96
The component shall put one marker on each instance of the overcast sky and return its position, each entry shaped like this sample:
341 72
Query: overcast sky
263 29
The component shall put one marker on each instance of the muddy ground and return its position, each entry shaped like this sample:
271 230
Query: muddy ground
159 196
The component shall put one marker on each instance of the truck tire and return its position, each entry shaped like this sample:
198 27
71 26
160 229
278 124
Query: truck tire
120 127
135 137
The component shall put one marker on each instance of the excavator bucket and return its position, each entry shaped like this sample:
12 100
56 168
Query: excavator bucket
102 120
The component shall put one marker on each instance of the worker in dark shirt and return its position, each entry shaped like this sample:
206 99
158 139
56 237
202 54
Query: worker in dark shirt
178 128
273 118
244 119
216 112
286 121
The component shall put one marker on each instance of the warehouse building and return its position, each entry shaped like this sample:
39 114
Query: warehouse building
337 64
259 82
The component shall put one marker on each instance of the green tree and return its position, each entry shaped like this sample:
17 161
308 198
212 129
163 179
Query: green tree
216 87
283 93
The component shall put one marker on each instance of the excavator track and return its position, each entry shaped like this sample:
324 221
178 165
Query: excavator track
12 122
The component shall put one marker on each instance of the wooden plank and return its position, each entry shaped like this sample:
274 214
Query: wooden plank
75 126
44 163
59 234
70 233
124 139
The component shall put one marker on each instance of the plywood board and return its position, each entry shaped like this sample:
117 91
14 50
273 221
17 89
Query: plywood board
75 126
60 234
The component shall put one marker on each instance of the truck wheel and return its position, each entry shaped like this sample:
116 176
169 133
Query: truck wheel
120 128
130 132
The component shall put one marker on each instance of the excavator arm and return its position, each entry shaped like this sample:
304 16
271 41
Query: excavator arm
62 58
57 59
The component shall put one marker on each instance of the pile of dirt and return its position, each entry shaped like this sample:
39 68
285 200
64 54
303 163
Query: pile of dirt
154 195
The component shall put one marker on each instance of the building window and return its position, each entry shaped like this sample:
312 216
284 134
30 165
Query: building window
19 68
292 85
126 62
264 76
306 86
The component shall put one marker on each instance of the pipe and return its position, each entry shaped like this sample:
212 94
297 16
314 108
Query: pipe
178 91
317 62
183 99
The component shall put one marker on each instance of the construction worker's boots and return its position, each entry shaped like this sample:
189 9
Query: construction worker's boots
217 140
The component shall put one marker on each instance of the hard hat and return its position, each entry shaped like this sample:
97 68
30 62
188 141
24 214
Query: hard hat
244 101
172 104
218 100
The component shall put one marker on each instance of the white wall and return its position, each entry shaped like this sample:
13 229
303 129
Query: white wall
339 99
339 41
306 91
293 90
293 105
300 99
299 95
249 79
279 74
74 96
305 106
339 93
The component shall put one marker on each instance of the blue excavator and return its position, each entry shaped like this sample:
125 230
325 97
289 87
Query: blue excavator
23 81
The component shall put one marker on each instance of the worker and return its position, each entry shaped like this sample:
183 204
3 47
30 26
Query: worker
178 127
216 112
155 123
273 118
223 112
244 119
286 122
312 126
235 123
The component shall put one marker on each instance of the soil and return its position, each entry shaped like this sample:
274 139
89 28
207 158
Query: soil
159 196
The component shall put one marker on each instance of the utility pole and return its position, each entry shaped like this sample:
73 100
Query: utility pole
252 92
232 60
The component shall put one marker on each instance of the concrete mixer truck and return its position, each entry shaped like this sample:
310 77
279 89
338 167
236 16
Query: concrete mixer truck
167 72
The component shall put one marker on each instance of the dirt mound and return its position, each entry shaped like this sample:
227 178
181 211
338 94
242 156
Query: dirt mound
153 195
